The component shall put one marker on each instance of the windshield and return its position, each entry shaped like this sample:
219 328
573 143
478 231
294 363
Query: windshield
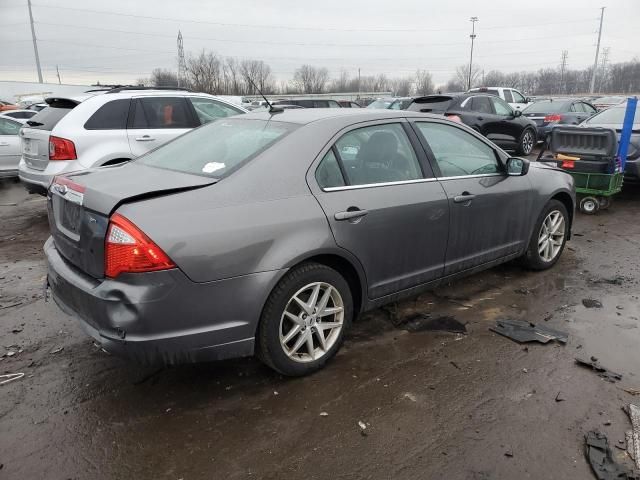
218 148
613 116
383 103
546 107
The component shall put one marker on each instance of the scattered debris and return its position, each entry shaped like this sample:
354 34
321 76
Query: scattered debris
9 305
617 280
602 371
275 392
523 332
410 396
560 397
324 414
633 440
363 428
10 377
632 391
422 322
524 370
591 303
509 453
522 291
56 349
17 329
455 364
607 423
600 458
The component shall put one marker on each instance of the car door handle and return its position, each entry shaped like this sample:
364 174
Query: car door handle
145 138
350 214
466 197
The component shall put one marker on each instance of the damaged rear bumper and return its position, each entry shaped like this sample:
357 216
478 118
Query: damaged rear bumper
162 317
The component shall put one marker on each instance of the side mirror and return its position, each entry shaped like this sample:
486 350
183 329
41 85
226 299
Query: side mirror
528 100
517 113
517 167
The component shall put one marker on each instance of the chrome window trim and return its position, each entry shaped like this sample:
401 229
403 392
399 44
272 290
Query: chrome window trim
408 182
381 184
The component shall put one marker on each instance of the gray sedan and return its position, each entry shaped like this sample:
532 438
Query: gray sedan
268 233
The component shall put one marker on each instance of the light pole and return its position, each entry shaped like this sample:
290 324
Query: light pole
473 37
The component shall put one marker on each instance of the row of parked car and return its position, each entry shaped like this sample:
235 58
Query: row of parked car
107 127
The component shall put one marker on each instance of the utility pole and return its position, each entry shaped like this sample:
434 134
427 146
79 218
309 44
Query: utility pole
563 69
603 68
358 83
182 67
595 62
473 21
58 73
35 44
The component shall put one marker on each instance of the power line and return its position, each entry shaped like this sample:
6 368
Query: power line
289 27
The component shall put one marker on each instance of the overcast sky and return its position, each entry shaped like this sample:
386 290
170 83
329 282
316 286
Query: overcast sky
119 41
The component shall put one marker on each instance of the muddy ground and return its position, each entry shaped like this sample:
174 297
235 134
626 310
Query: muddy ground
436 405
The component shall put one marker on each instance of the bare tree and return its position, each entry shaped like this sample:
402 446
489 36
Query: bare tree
462 75
161 77
342 83
400 87
424 83
232 78
204 72
310 79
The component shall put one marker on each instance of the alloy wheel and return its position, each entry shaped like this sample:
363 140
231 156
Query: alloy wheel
311 322
551 237
527 142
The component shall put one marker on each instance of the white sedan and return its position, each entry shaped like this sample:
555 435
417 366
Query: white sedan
10 150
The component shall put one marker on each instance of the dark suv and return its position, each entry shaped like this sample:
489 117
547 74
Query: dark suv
487 114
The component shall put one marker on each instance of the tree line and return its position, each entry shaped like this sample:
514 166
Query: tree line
211 73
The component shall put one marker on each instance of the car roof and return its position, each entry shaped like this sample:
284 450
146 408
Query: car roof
305 116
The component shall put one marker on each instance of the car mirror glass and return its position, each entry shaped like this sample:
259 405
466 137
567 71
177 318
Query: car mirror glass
517 166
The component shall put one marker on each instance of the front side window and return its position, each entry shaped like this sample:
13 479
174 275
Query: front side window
333 104
162 112
588 108
501 107
378 154
208 110
111 116
517 98
457 152
481 105
9 127
217 149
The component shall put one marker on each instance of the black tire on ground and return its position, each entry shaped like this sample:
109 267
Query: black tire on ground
268 346
527 142
605 202
532 258
589 205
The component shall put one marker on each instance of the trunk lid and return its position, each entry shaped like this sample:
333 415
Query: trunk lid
80 205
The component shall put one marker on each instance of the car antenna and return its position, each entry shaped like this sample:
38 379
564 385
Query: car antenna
272 109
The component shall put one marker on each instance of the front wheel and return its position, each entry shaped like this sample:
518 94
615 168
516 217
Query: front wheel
549 237
527 141
304 320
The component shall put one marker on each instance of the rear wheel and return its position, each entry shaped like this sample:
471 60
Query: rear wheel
549 237
304 320
527 141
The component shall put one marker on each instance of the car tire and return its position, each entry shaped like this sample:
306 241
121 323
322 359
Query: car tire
527 142
294 338
544 250
589 205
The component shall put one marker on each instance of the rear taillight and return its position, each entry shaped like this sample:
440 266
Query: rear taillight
453 117
128 249
76 187
552 118
61 149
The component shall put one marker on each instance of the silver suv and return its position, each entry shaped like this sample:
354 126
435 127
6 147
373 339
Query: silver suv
106 128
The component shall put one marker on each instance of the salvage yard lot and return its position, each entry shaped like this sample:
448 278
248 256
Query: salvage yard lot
434 404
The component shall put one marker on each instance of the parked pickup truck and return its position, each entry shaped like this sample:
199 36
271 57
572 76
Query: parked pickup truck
510 95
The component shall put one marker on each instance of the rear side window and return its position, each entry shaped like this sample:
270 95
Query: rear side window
48 118
481 105
328 173
110 116
217 149
162 112
507 96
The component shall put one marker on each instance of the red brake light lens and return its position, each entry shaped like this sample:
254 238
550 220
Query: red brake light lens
59 180
552 118
61 149
128 249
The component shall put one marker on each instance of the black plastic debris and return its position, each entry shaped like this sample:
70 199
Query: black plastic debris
591 303
601 459
422 322
523 332
608 375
